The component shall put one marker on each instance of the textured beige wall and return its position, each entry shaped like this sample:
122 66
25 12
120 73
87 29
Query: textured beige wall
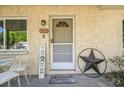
101 29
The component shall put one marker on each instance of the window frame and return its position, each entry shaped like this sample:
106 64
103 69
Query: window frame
14 18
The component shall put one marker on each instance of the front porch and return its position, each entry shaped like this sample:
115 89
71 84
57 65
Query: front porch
64 31
82 81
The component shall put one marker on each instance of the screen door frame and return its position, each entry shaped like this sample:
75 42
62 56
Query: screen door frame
61 65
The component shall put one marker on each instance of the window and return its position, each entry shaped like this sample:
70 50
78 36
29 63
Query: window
13 34
62 24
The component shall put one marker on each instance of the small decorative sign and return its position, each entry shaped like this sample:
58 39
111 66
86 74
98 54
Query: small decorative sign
44 30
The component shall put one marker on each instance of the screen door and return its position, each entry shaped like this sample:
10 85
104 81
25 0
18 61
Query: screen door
62 43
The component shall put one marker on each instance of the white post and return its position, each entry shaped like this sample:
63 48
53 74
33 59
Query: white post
42 59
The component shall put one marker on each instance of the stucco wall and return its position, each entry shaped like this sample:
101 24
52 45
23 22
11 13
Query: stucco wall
101 29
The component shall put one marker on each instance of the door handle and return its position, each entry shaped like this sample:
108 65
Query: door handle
52 41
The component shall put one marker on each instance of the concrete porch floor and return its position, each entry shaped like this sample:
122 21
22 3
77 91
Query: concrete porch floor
82 81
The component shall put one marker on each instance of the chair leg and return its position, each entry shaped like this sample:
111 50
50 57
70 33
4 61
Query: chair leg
26 77
19 81
9 83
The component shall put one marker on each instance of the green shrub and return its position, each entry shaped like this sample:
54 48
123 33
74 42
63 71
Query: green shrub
117 77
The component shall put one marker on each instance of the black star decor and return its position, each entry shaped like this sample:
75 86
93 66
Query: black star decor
92 62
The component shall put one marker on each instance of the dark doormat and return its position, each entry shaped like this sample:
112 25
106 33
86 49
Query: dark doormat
62 79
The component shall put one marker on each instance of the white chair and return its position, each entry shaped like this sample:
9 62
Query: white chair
23 59
10 74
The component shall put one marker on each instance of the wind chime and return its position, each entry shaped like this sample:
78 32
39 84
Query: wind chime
42 58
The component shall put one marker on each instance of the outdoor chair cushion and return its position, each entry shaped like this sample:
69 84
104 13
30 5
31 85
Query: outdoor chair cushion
7 76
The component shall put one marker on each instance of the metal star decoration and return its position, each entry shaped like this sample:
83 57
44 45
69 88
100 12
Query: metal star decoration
92 62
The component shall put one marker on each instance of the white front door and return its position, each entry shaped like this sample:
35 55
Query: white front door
62 46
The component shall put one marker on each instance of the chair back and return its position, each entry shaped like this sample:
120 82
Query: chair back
16 64
24 60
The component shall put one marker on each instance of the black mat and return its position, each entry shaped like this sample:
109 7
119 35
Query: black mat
62 79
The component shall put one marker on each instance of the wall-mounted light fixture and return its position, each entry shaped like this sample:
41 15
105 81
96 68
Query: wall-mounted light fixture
43 29
43 22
